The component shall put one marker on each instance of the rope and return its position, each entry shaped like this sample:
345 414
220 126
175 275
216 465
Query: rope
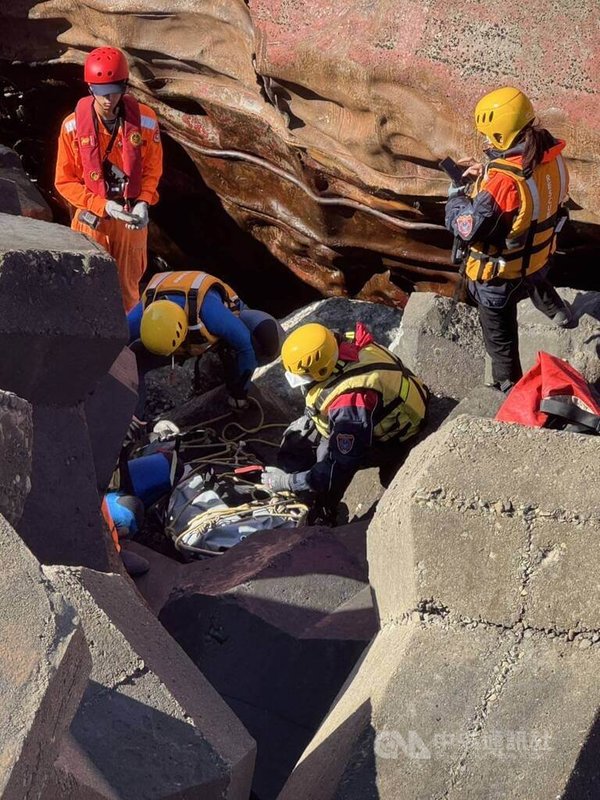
284 508
231 455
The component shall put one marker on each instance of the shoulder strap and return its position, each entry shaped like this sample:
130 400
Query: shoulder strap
571 412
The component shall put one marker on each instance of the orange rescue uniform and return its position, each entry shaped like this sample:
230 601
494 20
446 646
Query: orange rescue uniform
127 247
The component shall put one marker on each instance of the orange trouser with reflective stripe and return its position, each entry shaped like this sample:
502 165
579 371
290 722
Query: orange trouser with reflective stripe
129 250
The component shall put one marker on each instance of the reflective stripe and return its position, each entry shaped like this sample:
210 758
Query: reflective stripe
535 198
147 122
71 126
158 279
563 178
196 284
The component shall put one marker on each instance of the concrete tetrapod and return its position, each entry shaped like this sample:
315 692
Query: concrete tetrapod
150 726
108 412
16 434
61 328
44 670
483 680
452 362
275 624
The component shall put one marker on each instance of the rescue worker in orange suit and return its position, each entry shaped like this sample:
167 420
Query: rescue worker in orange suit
108 166
183 314
361 402
508 220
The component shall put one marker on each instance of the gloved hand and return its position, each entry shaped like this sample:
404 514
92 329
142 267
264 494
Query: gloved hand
456 191
163 430
140 210
300 428
116 211
238 403
276 479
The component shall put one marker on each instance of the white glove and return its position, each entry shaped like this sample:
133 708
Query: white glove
277 480
165 429
140 210
116 211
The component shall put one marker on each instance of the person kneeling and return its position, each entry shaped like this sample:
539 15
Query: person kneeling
184 314
359 400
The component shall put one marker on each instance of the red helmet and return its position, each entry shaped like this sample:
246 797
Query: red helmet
105 65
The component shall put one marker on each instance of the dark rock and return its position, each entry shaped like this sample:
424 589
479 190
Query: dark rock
108 412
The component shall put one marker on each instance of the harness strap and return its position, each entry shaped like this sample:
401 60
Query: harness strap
363 370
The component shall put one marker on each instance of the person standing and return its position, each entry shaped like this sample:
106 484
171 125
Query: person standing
108 166
508 213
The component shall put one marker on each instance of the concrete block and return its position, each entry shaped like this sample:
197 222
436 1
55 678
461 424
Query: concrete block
16 434
61 318
275 624
482 401
150 723
44 669
61 521
455 527
108 412
578 345
563 585
451 362
75 776
540 733
413 685
459 711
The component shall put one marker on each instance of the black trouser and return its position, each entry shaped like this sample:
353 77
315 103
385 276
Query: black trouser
497 306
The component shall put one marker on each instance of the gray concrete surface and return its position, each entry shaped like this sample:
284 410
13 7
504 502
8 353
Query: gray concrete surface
16 435
109 409
468 519
44 670
150 724
483 680
578 345
453 362
275 624
450 361
18 195
61 318
482 401
458 711
61 521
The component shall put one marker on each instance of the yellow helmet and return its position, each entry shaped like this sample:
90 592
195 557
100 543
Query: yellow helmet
310 350
164 327
502 114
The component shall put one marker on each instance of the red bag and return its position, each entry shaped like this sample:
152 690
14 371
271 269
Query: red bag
553 394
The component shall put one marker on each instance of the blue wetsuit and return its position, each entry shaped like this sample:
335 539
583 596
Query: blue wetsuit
219 320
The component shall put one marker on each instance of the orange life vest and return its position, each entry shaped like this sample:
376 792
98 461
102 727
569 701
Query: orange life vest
193 286
89 148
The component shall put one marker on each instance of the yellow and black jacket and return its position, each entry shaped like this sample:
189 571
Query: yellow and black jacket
402 397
